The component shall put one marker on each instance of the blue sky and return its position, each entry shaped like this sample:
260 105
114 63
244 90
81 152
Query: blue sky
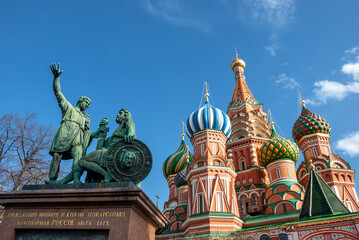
152 58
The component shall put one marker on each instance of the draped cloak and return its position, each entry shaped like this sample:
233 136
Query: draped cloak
73 130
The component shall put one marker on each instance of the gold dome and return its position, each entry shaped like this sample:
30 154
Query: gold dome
238 62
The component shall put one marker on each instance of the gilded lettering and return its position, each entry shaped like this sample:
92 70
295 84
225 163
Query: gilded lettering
106 214
62 223
103 223
75 214
48 214
84 223
21 215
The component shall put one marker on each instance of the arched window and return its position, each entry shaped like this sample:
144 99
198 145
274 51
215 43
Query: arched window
200 203
243 165
284 208
244 204
264 237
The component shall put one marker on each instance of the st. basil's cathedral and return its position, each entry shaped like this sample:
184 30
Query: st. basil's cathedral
241 181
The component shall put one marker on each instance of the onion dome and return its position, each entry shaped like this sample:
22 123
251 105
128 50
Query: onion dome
309 123
238 62
180 179
277 148
208 117
177 161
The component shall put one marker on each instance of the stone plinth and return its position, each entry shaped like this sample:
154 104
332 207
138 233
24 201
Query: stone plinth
110 211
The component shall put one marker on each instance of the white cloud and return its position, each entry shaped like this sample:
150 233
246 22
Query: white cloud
273 48
272 15
349 144
286 82
330 90
174 12
351 68
352 50
275 14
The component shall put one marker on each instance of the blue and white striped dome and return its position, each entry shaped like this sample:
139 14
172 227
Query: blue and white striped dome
208 117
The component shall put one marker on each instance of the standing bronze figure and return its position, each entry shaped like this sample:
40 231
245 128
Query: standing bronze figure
73 136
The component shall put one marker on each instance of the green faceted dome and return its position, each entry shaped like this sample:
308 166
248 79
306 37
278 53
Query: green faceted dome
277 148
177 161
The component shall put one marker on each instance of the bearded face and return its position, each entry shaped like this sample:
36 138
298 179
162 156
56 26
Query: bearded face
129 160
123 115
84 105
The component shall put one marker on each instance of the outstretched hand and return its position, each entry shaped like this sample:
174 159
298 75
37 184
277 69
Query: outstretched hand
55 70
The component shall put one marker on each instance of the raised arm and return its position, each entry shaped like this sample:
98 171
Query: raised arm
56 72
56 85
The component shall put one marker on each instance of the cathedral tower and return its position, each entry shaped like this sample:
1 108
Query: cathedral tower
171 167
250 129
279 156
212 205
312 134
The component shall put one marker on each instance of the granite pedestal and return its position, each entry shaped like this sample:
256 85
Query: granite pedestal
80 211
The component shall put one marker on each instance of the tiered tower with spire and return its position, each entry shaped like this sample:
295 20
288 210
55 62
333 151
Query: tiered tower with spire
279 155
312 134
250 130
241 181
212 205
176 206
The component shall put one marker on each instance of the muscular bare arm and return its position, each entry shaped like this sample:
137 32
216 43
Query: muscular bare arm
56 85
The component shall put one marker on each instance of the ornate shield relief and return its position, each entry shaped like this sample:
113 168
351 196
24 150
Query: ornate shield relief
129 161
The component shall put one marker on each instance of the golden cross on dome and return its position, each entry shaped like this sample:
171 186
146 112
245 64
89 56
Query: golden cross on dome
183 130
301 100
207 94
270 118
236 53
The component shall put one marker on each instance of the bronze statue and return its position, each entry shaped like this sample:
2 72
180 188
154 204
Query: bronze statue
73 136
120 157
95 162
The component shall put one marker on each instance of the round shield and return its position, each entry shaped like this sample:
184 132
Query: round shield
129 161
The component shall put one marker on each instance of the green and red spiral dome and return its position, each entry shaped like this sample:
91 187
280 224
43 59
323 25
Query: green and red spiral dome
309 123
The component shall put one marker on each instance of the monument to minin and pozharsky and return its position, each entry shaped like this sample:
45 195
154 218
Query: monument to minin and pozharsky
109 205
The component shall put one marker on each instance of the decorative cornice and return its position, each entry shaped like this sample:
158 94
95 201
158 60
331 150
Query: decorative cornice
312 135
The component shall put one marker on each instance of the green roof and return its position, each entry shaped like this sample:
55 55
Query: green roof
319 199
